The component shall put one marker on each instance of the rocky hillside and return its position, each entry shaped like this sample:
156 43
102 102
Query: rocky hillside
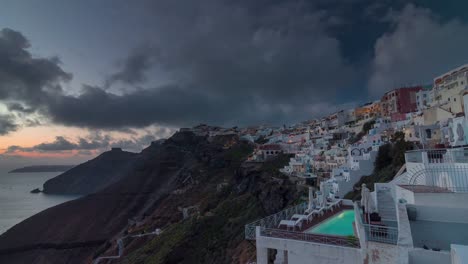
93 175
204 178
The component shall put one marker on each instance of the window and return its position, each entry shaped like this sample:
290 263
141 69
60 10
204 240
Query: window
428 133
454 99
449 99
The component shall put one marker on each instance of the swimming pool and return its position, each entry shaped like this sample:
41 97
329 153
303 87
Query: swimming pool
339 225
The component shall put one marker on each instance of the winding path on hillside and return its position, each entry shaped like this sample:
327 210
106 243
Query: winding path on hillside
120 243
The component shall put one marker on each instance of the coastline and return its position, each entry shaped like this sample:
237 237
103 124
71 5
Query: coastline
17 203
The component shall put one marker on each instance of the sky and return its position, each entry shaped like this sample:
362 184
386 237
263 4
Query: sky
79 77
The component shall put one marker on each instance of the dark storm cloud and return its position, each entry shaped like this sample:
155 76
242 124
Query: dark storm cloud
238 62
7 124
421 47
227 63
23 77
132 69
218 62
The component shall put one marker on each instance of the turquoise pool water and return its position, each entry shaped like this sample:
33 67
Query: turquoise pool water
339 225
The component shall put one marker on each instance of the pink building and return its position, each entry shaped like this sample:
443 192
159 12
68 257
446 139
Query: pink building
400 101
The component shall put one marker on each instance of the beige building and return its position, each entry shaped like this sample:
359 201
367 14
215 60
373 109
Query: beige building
434 114
448 89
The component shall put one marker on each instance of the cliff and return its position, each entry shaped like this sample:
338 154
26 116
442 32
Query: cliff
93 175
206 177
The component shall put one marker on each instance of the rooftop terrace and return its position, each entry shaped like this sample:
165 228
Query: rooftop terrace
435 170
291 224
438 235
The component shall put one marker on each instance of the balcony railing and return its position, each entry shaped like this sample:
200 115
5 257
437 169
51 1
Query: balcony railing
273 221
315 238
428 156
269 228
441 178
382 234
377 233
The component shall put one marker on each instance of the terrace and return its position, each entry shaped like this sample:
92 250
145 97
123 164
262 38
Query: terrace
436 170
437 227
437 156
292 224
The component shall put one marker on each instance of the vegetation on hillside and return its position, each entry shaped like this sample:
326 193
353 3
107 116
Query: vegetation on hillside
365 129
272 166
216 234
239 152
389 160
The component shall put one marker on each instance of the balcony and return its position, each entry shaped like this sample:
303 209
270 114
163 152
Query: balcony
436 156
436 170
386 232
270 226
273 221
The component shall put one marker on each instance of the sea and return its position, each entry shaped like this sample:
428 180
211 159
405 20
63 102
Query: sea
16 201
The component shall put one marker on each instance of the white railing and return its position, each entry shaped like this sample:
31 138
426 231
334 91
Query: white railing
273 221
376 233
382 234
430 156
438 170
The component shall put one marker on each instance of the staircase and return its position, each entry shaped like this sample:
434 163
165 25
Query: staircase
386 205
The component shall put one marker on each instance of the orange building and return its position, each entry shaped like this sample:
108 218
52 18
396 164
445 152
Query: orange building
368 110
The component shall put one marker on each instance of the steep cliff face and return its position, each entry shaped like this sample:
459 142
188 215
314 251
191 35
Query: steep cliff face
93 175
206 177
215 233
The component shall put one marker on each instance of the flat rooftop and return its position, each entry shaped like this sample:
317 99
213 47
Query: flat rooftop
425 189
438 234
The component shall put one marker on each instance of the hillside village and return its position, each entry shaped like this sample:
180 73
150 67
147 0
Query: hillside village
338 149
329 156
385 182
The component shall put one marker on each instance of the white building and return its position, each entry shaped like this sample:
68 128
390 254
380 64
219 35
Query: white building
424 97
421 217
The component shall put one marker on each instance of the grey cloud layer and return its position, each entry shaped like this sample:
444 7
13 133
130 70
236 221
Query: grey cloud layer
7 124
62 144
226 64
23 77
230 63
94 142
420 47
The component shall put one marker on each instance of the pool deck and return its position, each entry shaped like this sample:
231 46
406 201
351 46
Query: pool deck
318 219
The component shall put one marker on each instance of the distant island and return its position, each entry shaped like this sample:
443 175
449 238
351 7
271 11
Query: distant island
43 168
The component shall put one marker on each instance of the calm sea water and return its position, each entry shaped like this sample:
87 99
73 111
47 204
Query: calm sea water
16 201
